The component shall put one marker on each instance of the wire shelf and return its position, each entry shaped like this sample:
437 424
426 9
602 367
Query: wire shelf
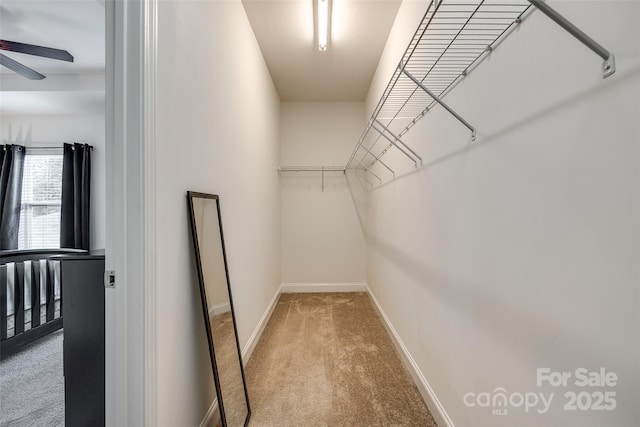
312 170
302 169
453 36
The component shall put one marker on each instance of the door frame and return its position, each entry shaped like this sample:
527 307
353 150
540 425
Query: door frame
130 307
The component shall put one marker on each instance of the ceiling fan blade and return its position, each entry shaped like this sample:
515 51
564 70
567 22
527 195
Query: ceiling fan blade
31 49
23 70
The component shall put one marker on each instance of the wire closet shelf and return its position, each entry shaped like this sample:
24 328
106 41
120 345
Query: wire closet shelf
453 37
318 170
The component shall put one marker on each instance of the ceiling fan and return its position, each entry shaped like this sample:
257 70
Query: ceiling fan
30 49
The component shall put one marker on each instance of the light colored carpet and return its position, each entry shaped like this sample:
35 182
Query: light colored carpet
228 363
32 385
325 359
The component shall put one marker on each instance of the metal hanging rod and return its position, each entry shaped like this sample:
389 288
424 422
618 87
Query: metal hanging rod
315 169
311 169
608 66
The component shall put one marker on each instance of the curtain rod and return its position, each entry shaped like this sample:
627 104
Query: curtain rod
53 148
43 147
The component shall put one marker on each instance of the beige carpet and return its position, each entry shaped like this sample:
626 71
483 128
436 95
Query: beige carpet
228 363
325 359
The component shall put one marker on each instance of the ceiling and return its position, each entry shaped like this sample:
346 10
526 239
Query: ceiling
77 26
74 25
285 32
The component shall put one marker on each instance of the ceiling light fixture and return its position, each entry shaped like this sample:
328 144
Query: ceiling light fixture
323 24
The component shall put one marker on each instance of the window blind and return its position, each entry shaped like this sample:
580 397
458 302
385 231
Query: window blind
41 196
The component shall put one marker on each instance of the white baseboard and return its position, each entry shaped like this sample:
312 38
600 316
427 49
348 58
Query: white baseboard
219 309
323 287
248 348
212 416
437 410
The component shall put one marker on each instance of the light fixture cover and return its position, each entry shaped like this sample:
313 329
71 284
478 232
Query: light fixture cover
323 24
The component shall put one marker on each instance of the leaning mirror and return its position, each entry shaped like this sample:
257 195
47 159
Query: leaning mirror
217 306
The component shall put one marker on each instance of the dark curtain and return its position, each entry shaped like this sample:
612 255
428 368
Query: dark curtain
12 165
76 192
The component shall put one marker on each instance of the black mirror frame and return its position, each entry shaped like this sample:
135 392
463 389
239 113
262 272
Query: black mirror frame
194 237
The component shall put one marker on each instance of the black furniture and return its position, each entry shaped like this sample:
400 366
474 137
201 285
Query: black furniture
84 338
30 272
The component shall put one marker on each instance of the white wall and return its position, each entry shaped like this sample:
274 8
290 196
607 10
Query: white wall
520 251
217 132
54 130
322 240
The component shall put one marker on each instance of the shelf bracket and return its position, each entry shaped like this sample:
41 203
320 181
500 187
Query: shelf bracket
376 159
361 178
608 66
369 170
440 101
402 147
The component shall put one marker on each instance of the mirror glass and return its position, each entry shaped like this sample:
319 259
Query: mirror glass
217 305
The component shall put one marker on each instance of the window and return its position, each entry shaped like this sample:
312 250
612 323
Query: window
41 197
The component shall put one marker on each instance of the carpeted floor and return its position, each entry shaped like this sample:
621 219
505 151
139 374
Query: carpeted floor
32 385
228 363
325 359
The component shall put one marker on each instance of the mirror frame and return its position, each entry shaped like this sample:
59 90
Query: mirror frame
205 308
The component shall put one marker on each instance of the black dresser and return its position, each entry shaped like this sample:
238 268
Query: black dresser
82 278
